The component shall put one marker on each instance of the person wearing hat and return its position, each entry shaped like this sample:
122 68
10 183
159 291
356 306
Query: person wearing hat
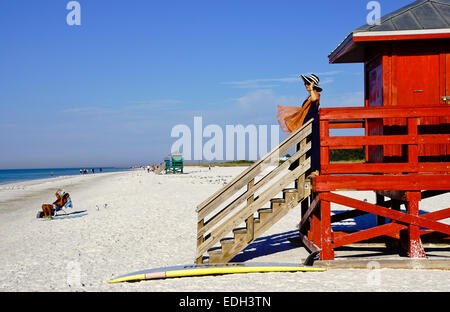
292 118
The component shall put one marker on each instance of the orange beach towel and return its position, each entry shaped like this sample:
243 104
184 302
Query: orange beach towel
291 118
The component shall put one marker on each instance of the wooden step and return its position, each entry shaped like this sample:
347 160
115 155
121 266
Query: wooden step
277 203
240 234
228 245
264 214
290 196
215 255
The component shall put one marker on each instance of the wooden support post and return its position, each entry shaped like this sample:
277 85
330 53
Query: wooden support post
250 221
304 208
315 231
413 149
395 204
200 225
324 150
299 183
200 240
326 252
380 202
394 243
415 247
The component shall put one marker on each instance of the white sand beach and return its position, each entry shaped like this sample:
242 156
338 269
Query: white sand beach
137 220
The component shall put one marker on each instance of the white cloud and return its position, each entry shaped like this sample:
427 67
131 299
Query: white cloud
268 83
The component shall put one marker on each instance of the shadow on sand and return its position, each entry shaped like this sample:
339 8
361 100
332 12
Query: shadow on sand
272 244
268 245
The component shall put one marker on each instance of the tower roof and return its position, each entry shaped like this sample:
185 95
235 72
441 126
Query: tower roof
422 19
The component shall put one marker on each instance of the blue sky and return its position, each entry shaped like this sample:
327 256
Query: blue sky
108 92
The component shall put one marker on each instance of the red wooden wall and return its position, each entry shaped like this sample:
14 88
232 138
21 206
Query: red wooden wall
409 73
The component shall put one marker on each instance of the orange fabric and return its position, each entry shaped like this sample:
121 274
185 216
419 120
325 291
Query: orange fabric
291 118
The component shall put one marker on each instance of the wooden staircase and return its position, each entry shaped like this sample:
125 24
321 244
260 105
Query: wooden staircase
236 215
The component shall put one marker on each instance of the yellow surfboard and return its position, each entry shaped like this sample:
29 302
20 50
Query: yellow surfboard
213 269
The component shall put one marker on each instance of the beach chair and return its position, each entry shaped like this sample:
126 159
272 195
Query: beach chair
62 203
67 205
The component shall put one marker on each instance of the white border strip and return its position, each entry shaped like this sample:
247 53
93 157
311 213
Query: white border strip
402 32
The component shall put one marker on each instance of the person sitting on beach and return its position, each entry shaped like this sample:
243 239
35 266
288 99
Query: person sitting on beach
62 199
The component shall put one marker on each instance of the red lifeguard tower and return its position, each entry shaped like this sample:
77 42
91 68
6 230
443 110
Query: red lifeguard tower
406 123
406 118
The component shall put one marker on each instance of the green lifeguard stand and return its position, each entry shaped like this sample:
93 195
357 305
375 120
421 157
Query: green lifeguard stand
175 164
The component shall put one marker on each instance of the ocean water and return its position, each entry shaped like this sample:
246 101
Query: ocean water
15 175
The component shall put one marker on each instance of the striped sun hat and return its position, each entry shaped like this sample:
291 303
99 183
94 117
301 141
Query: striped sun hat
310 79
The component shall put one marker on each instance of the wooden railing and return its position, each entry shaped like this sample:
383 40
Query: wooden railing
358 117
226 209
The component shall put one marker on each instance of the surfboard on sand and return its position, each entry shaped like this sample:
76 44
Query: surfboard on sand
212 269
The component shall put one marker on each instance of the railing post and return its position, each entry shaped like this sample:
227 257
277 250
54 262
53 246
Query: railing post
200 239
324 150
413 149
380 202
314 233
326 251
250 221
415 247
300 182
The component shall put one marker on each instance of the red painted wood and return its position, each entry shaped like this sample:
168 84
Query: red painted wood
316 228
400 37
346 147
380 182
384 140
386 229
447 93
356 113
415 82
413 149
326 252
385 212
375 89
367 168
324 150
415 247
447 76
353 125
391 229
344 168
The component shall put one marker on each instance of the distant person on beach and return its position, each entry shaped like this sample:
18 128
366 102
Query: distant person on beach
81 172
292 118
93 171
